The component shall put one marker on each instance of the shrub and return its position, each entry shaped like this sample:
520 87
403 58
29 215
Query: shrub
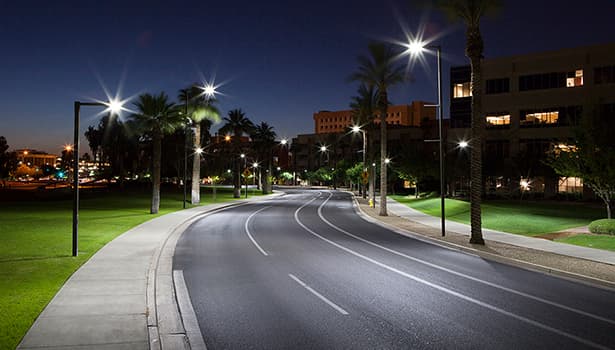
603 226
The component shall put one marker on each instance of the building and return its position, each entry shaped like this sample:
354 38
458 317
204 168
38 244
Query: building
326 122
531 102
34 158
407 128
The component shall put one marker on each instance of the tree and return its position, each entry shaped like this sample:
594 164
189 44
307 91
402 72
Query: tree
156 117
95 140
378 70
416 166
590 156
354 173
471 12
8 160
363 106
199 108
236 124
263 138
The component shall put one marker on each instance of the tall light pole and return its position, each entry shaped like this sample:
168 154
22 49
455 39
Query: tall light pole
188 122
416 48
113 106
245 166
357 129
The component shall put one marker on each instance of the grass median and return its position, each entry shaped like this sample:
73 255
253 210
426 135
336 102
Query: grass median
523 217
35 245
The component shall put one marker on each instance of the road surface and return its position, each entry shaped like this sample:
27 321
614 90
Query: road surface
304 271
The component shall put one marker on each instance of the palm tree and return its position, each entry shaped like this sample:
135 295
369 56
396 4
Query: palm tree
378 70
363 107
263 138
199 108
471 12
156 117
236 124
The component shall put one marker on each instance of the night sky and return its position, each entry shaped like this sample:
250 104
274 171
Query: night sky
277 62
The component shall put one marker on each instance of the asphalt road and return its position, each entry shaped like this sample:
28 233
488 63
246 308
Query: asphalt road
304 271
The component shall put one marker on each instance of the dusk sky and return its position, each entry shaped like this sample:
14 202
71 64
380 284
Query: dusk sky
278 62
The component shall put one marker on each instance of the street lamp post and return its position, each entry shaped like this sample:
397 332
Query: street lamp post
356 129
114 107
245 166
186 148
415 48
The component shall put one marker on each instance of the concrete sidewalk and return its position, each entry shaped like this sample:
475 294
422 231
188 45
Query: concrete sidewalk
597 255
110 302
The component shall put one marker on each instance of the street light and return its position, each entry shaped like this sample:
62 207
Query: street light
245 166
255 167
416 48
114 106
356 129
209 91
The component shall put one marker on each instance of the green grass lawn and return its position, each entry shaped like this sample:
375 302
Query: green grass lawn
35 246
522 217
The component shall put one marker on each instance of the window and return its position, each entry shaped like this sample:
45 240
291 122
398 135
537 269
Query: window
570 185
498 119
462 90
497 86
604 75
539 118
574 79
547 80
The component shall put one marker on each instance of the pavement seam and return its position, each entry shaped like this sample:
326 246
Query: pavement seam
571 276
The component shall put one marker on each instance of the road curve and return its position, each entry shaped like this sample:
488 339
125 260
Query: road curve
303 270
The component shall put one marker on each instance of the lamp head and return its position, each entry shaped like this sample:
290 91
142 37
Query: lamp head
415 47
463 144
209 90
114 106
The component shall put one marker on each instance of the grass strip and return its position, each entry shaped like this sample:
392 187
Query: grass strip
35 245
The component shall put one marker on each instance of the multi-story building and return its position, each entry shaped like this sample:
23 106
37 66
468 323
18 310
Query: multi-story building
531 102
326 122
408 126
36 158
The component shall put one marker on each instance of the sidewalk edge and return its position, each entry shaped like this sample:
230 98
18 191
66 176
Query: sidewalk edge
592 281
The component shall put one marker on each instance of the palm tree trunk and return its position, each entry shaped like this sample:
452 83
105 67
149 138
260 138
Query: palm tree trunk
196 167
156 161
474 51
383 155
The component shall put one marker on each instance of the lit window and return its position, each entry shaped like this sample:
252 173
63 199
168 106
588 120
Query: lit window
500 119
574 79
570 185
541 118
462 90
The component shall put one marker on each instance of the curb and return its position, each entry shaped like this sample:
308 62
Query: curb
592 281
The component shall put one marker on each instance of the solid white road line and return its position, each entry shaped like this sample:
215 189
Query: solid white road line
446 290
320 296
191 324
250 235
491 284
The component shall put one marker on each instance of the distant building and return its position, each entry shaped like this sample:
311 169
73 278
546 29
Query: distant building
34 158
530 102
408 127
326 122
